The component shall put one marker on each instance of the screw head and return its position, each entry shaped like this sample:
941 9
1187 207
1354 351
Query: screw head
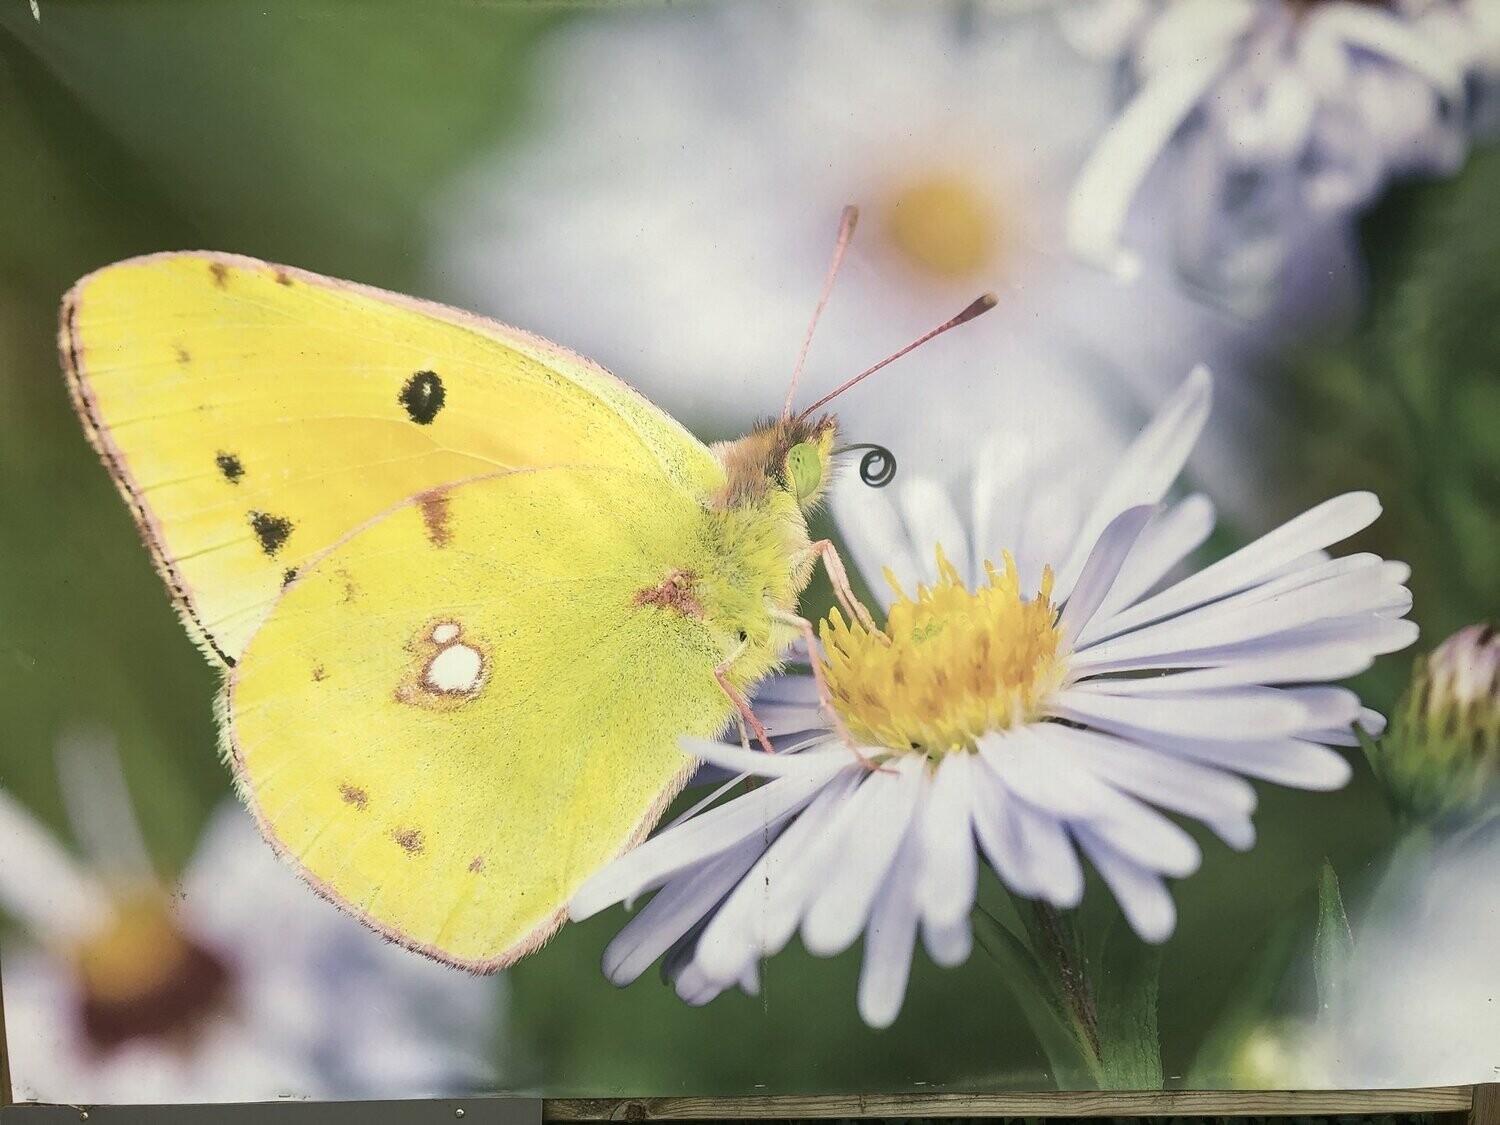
459 1112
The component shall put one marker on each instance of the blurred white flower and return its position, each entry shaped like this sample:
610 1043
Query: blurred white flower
672 213
1281 109
1420 1005
236 985
1026 714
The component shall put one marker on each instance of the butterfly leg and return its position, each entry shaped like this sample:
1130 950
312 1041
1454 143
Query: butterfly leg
838 577
739 722
825 696
744 715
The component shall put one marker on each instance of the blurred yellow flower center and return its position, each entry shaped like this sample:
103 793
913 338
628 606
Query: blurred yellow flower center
950 665
142 976
134 955
944 225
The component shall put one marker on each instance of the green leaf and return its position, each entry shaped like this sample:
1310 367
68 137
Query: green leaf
1333 945
1073 1066
1127 988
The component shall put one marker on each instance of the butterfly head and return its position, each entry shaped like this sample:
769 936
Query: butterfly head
784 457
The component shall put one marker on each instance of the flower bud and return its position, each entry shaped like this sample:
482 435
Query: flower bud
1440 761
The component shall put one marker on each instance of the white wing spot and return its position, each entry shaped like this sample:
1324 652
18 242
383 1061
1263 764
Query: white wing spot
457 669
445 633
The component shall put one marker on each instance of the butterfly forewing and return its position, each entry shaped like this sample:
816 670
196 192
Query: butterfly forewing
254 414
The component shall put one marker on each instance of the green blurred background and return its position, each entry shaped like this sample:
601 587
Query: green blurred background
314 133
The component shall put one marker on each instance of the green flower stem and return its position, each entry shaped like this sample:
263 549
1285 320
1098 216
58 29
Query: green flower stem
1096 1034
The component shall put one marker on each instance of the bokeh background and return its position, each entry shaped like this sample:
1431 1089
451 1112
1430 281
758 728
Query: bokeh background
658 187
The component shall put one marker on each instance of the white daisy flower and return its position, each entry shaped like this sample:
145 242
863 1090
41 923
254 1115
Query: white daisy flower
670 216
1035 712
1283 109
235 985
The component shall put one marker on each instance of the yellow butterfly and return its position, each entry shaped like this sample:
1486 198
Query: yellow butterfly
470 589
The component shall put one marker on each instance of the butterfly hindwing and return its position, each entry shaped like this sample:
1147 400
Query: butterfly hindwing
460 711
253 414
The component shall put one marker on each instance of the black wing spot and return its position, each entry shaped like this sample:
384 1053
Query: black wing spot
230 466
272 531
423 397
288 576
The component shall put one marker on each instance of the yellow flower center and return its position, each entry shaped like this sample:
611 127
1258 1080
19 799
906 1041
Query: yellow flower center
943 224
949 666
142 976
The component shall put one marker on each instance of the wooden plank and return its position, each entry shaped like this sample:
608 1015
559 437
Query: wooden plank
1123 1103
1486 1107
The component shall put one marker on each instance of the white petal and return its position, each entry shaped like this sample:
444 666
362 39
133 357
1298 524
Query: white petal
876 539
1330 522
1232 714
781 720
1385 34
1334 661
1333 707
1295 762
742 930
1142 895
890 939
1176 533
1147 838
1148 468
1194 29
948 944
931 522
1250 615
1371 722
824 761
1066 787
1022 759
99 807
999 487
1106 187
790 690
694 988
950 870
886 802
1340 641
1103 566
676 909
42 885
759 812
794 878
1156 776
1029 849
1236 831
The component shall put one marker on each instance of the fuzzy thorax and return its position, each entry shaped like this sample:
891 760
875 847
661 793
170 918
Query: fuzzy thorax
774 476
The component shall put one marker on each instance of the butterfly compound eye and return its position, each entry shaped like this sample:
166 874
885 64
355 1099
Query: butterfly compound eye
804 468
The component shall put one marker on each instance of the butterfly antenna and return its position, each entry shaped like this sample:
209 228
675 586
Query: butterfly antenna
980 305
847 220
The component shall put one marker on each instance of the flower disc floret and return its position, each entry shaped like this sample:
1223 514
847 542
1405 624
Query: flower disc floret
951 664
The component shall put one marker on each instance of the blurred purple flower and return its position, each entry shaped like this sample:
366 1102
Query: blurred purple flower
1280 110
237 984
